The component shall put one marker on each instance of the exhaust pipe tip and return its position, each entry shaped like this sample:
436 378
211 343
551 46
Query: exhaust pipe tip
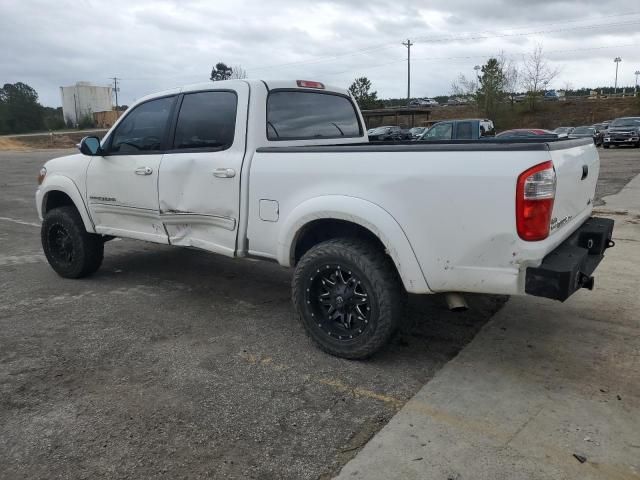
456 302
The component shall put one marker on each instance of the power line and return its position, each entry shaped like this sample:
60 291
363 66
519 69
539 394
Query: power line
474 57
463 36
526 34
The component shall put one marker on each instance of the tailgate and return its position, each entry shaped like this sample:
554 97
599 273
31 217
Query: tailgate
577 167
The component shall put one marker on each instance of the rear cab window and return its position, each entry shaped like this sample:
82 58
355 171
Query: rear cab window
305 115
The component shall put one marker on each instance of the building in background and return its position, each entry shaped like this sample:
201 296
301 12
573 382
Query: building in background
82 100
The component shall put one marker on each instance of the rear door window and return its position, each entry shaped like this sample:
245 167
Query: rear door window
207 120
298 115
465 132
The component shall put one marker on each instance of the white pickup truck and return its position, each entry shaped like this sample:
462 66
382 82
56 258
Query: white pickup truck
283 171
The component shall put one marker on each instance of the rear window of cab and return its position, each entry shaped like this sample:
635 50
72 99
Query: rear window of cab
304 115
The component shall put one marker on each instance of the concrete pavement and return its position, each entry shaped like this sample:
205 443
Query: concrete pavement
545 391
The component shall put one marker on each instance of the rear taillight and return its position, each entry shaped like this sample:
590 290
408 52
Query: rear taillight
535 194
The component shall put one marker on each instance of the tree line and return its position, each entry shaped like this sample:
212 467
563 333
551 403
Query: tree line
21 112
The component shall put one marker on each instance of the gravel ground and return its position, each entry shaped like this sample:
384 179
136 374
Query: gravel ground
179 363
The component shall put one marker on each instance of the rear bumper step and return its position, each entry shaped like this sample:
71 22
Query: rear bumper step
569 267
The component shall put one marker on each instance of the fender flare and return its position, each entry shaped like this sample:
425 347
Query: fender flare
65 185
361 212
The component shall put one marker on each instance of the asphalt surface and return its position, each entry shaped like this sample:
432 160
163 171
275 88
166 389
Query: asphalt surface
178 363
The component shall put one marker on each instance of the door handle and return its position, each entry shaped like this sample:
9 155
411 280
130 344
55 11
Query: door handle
144 171
224 173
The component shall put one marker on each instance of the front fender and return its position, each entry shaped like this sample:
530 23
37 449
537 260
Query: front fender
364 213
65 185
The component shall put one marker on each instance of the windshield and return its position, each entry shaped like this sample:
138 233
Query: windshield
626 122
380 130
588 130
440 131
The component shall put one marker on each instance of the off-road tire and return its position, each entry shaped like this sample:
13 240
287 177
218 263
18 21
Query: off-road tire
82 253
375 271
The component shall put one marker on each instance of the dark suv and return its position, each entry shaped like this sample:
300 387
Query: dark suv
387 133
623 131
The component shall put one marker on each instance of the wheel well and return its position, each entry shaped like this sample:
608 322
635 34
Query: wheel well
56 199
325 229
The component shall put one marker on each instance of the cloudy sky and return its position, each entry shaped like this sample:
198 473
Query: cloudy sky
153 45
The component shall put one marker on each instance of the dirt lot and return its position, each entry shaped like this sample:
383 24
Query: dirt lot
178 363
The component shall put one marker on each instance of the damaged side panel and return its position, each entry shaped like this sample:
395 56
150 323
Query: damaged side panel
199 187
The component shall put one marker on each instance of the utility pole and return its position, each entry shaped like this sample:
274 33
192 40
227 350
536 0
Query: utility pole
116 89
636 73
408 44
617 60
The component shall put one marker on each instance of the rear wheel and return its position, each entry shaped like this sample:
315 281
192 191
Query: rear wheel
70 250
348 297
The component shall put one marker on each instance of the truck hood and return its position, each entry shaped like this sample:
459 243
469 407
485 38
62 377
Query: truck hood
630 129
69 165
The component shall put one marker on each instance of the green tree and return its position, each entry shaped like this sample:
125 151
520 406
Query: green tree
491 90
221 72
19 109
360 89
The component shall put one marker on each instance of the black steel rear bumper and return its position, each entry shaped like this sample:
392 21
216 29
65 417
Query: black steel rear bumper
569 267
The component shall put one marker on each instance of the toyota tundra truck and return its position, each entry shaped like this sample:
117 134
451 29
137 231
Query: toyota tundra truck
283 171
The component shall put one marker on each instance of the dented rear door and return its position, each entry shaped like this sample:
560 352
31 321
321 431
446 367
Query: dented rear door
199 181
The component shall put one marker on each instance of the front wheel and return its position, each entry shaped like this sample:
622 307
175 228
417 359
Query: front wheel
70 250
606 146
348 297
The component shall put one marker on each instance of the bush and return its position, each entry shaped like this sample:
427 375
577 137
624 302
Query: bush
86 122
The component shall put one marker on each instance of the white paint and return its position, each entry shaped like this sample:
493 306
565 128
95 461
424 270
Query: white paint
19 222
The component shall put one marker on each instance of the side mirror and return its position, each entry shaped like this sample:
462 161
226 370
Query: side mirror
90 146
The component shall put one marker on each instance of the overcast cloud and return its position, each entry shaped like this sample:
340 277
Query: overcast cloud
154 45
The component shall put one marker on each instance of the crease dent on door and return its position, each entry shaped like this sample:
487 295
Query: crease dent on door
198 190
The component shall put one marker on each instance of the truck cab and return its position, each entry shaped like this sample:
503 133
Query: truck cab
468 129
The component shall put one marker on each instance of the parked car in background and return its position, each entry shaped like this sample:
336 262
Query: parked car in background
415 132
454 101
406 133
386 133
423 102
563 131
527 132
585 132
623 131
551 96
602 126
467 129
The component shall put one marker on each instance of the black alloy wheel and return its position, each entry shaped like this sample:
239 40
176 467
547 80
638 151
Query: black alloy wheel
339 300
70 250
348 297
